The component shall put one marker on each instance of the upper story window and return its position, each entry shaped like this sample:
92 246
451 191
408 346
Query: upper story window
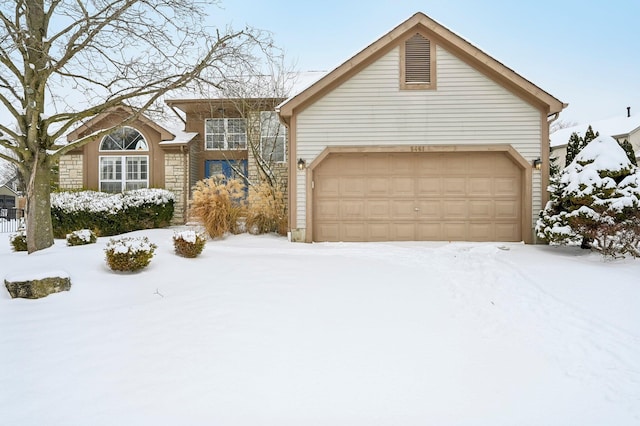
272 137
417 63
225 133
124 139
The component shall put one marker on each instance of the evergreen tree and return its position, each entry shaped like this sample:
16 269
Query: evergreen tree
628 148
595 201
573 147
588 137
576 143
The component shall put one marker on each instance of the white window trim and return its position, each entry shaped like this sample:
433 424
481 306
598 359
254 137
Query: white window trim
125 150
281 133
123 177
226 134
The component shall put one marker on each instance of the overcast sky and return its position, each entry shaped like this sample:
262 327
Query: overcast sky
585 53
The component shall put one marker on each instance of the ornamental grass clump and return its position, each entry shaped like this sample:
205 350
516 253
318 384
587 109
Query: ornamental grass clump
218 203
267 210
18 240
81 237
189 243
129 254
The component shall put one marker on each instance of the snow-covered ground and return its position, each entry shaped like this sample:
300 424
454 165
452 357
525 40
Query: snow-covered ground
259 331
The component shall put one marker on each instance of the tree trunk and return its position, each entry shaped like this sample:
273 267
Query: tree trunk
39 226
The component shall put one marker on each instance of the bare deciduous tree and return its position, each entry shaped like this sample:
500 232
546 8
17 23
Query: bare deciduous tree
64 61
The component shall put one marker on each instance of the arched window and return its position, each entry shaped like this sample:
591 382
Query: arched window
124 139
122 170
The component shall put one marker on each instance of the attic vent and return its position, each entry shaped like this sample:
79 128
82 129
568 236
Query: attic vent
418 60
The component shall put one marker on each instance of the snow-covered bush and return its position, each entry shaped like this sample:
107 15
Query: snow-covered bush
129 253
266 210
18 240
595 200
110 214
81 237
218 203
189 243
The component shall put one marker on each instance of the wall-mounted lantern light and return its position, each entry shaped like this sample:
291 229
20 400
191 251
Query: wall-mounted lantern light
301 164
537 164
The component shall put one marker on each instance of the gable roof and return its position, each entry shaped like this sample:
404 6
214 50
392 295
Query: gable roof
126 111
442 36
617 127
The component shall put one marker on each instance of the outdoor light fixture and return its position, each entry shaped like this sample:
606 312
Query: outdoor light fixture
537 164
301 164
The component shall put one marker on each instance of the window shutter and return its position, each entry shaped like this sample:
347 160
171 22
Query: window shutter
417 60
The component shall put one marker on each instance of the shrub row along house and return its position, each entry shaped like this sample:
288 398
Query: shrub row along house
420 136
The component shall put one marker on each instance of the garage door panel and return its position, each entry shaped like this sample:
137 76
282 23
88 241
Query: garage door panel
328 186
401 165
403 186
379 232
378 209
481 231
507 232
450 196
328 210
507 186
403 209
402 231
352 186
429 210
354 231
429 186
507 209
480 186
378 187
480 210
352 210
454 186
454 209
454 231
429 231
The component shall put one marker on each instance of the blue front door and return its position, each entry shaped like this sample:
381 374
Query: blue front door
230 169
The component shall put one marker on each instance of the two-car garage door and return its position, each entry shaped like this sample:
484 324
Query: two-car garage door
430 196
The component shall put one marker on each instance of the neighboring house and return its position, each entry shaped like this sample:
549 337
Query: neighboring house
9 195
622 127
420 136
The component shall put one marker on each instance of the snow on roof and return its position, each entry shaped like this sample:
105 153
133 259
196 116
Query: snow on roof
615 126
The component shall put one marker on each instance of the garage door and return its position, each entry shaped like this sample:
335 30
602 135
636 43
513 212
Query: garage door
452 196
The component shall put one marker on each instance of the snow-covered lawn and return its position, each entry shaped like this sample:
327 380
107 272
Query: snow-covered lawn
259 331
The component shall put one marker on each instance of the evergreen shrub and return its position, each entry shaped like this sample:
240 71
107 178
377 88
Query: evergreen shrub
129 254
189 243
18 240
81 237
110 214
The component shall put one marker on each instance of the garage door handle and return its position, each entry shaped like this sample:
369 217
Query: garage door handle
416 209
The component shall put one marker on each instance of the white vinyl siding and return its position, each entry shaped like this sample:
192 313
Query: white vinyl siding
370 109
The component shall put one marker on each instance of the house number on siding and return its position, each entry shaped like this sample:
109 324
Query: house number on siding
417 148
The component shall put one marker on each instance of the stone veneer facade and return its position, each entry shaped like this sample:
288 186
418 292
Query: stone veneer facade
176 180
71 166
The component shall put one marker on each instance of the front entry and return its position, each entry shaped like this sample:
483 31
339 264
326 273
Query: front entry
230 169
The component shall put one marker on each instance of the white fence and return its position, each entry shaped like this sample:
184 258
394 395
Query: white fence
11 220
